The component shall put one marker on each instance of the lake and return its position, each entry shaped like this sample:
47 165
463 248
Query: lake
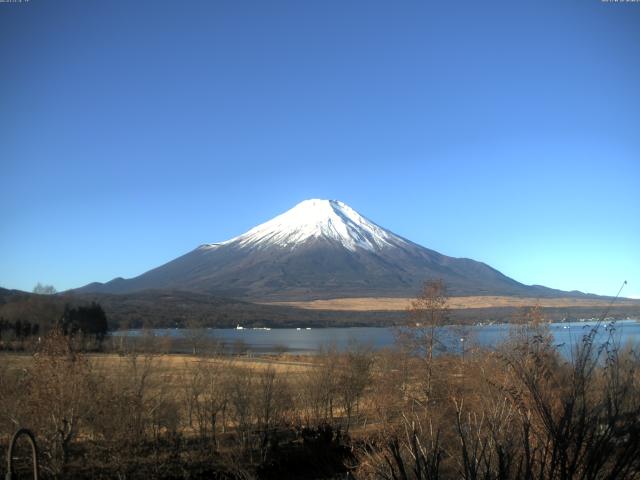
293 340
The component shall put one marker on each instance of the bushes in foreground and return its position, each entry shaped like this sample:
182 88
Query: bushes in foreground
523 413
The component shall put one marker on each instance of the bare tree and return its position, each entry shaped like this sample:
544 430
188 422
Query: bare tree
413 452
240 391
196 336
14 413
205 396
428 313
353 377
61 381
44 289
389 384
319 386
271 403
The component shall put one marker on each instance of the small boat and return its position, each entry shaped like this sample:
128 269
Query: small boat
238 327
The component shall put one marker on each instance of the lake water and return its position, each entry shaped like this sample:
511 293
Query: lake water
566 335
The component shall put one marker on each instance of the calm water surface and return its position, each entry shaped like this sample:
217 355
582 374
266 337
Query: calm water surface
303 340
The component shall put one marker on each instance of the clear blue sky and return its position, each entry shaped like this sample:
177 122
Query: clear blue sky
504 131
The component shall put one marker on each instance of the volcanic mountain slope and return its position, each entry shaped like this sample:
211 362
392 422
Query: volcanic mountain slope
319 249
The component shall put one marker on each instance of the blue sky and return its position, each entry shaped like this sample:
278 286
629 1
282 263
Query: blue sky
507 132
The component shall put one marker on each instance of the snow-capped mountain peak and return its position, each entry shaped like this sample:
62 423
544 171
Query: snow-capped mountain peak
316 218
318 249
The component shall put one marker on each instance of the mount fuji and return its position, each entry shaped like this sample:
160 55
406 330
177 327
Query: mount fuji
319 249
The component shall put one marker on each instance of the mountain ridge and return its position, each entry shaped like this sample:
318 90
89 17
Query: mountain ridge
320 249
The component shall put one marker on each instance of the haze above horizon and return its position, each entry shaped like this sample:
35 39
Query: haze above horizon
506 132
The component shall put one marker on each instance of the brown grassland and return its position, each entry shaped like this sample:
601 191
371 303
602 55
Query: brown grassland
454 303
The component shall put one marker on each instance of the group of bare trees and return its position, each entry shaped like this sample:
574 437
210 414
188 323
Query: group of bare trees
417 411
520 412
222 396
138 412
332 391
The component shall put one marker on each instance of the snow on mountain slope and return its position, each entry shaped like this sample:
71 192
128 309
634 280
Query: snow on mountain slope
315 218
318 249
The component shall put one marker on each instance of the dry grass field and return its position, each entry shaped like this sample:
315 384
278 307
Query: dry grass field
175 366
455 303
